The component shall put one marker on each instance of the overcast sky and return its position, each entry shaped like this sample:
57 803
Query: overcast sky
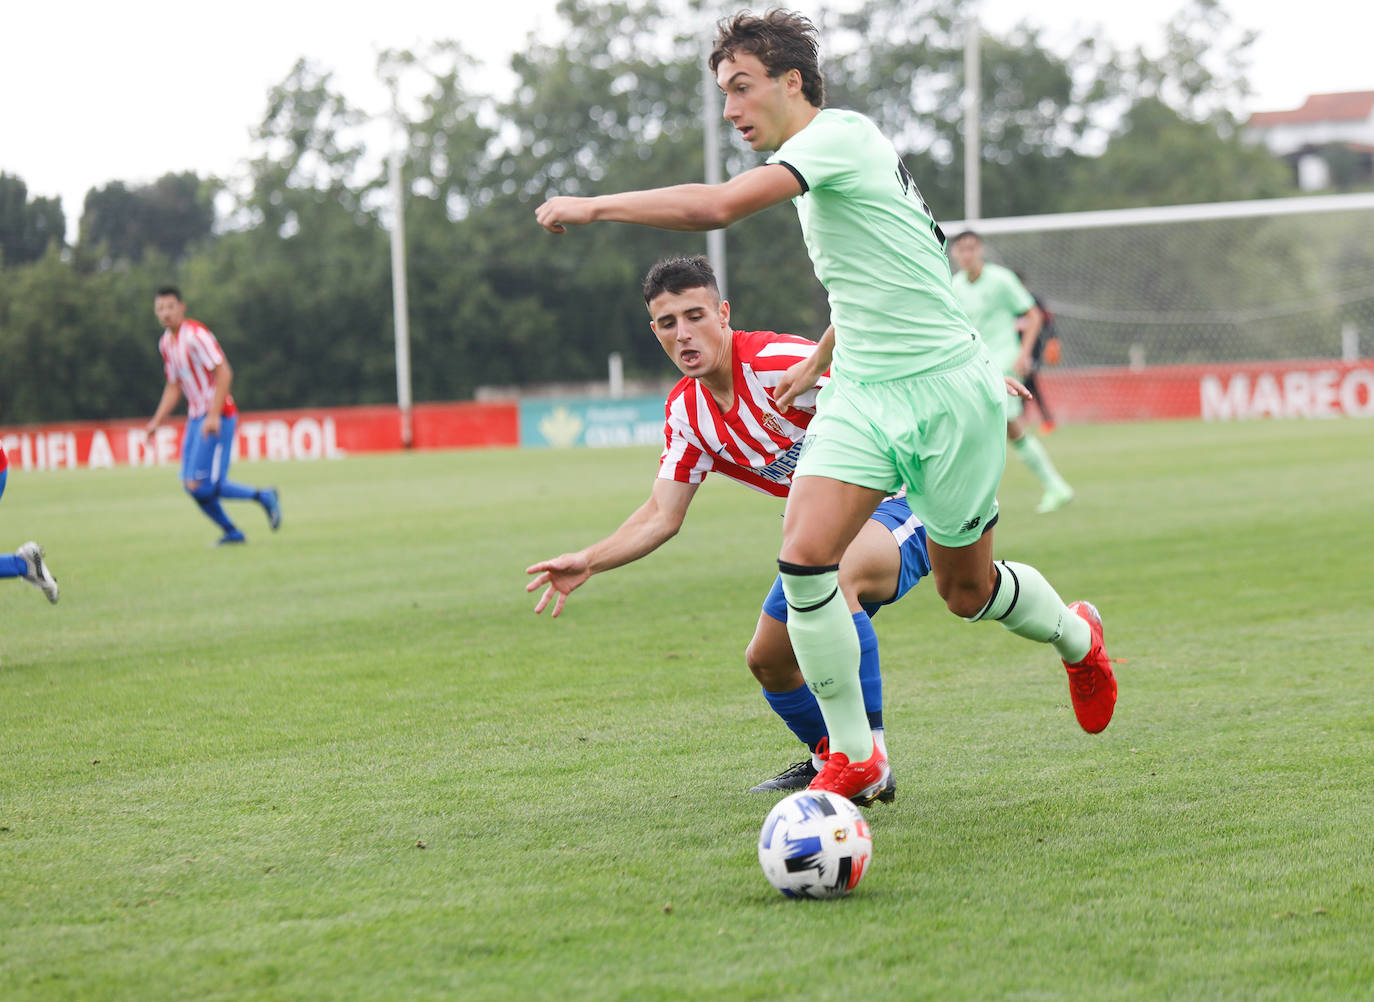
91 93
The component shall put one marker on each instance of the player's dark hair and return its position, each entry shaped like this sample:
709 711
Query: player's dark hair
170 290
781 39
967 234
677 275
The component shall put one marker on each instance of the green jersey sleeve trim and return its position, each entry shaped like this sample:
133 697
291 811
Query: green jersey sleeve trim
795 173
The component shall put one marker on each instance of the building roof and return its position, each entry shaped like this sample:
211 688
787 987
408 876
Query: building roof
1351 106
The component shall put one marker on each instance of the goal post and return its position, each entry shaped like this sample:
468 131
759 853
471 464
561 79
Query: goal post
1227 310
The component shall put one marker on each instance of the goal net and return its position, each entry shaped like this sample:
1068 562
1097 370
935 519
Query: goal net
1222 311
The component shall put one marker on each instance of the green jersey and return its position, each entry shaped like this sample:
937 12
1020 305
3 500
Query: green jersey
993 303
876 250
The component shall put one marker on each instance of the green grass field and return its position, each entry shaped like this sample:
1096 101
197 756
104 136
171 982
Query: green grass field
347 762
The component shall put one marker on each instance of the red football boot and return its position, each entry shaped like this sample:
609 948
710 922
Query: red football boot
862 782
1092 686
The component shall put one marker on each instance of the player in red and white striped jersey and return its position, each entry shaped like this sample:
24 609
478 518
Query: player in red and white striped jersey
196 368
721 416
28 561
753 441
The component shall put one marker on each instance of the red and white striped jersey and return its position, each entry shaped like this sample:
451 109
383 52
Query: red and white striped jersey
189 358
753 442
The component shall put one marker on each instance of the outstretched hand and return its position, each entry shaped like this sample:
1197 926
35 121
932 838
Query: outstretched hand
562 575
1016 389
797 380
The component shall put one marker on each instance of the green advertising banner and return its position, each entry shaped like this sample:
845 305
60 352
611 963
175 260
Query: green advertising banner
596 424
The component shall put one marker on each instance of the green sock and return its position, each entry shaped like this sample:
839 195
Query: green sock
827 649
1035 457
1027 605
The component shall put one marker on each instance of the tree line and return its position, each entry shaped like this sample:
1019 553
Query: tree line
289 264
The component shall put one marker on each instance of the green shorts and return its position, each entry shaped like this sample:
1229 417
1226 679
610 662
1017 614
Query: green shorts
942 434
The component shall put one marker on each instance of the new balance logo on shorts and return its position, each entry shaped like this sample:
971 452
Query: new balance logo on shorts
971 524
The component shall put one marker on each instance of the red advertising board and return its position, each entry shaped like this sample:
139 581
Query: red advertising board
326 433
1318 388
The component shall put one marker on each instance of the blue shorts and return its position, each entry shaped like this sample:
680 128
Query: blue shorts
4 475
206 457
910 535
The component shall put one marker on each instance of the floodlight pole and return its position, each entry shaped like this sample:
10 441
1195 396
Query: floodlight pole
973 146
399 307
710 123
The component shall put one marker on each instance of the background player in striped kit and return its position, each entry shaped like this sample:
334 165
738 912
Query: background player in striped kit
26 562
197 369
721 416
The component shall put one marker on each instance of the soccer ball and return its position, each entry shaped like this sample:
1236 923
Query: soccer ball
815 844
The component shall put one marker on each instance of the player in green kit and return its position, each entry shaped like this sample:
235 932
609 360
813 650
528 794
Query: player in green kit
994 299
914 398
